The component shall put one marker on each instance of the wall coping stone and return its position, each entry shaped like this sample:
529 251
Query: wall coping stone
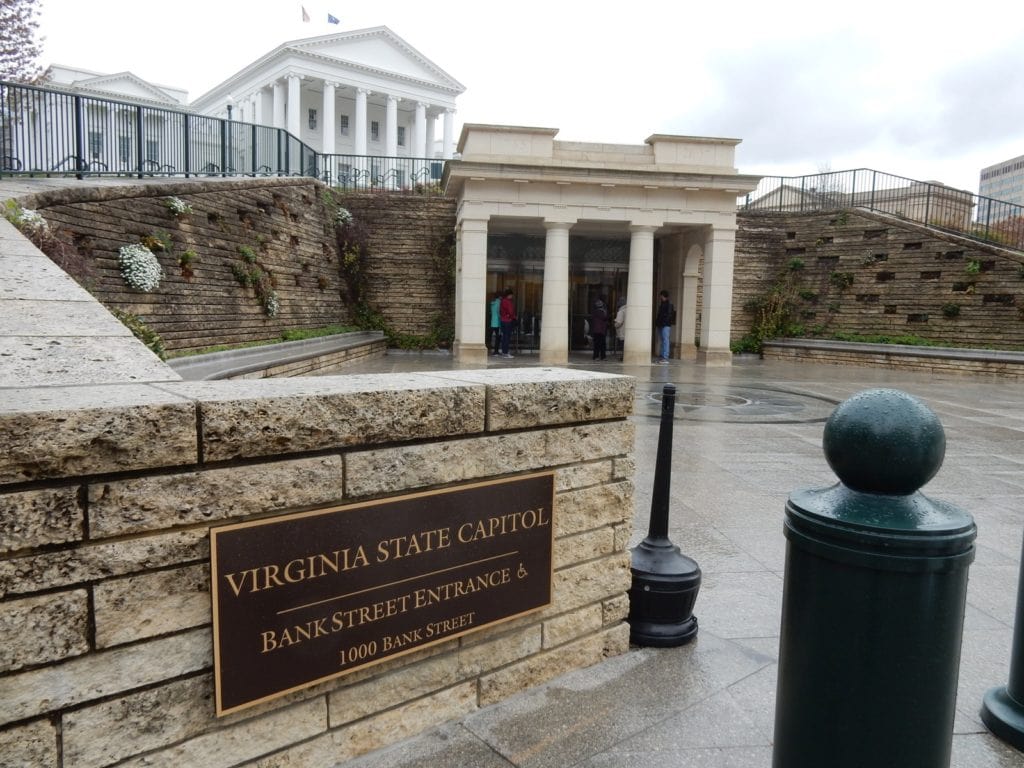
1008 357
237 362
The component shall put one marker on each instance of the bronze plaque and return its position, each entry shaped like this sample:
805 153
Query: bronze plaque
302 598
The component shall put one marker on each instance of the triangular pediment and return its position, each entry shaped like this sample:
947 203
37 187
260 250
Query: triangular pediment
124 84
377 49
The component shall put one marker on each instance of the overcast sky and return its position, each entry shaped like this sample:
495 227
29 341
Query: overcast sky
927 90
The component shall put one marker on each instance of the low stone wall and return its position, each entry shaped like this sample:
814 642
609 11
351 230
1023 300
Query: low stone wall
928 359
107 494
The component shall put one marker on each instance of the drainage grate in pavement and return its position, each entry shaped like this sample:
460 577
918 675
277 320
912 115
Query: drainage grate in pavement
745 405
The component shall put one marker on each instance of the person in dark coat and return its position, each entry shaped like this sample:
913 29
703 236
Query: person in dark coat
599 328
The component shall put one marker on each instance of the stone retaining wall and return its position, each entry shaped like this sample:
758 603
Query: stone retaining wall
943 360
107 493
866 273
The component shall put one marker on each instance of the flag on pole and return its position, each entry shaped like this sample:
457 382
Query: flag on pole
332 19
305 16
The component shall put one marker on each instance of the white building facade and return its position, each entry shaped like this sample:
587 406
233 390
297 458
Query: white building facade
365 92
595 221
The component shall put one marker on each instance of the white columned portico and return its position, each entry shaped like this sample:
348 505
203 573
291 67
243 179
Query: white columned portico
420 150
636 348
688 309
471 292
292 120
716 324
279 99
391 127
327 147
360 136
554 316
431 124
448 145
257 107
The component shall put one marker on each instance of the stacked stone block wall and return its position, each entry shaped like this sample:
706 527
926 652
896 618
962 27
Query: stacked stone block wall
410 239
291 238
857 272
107 494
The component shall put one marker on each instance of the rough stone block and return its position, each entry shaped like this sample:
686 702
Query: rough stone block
583 475
97 675
593 507
319 751
246 740
92 562
529 397
358 701
591 582
71 431
43 629
405 721
569 626
272 416
581 547
30 745
105 733
151 604
623 535
623 468
616 609
166 501
390 470
549 665
35 518
476 658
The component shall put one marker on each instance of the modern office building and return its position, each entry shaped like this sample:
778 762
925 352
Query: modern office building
1002 181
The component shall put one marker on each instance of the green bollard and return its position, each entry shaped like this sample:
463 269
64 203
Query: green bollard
1002 708
873 597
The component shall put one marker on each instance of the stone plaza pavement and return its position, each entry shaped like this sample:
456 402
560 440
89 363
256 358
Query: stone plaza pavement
744 438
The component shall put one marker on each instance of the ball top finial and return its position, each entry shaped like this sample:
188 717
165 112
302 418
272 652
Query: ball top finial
884 441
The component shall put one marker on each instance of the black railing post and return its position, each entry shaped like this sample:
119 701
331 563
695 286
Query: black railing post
927 204
665 582
188 145
223 148
255 150
79 138
871 204
140 142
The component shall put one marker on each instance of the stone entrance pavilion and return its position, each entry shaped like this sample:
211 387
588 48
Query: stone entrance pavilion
670 203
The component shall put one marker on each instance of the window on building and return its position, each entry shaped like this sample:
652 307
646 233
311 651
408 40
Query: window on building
312 119
374 130
401 135
95 144
343 124
124 148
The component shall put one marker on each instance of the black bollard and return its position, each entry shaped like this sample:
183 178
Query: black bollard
873 597
665 582
1002 709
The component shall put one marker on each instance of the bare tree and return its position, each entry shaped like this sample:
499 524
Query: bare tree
19 48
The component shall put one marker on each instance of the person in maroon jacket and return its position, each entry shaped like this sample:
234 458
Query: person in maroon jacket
599 329
507 313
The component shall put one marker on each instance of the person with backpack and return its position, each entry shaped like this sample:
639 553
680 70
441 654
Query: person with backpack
664 321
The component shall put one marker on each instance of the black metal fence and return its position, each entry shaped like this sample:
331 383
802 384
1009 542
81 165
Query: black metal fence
47 132
924 202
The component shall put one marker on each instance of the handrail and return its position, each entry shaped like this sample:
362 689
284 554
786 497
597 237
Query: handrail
46 131
932 204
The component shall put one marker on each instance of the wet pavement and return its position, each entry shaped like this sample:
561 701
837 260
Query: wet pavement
745 437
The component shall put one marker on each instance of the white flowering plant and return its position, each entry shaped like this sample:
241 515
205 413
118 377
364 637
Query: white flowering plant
139 267
343 217
271 304
32 220
177 206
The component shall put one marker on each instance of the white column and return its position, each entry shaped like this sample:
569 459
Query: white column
391 127
420 148
329 128
361 124
716 321
257 107
688 310
431 124
294 106
448 147
279 99
471 292
554 316
637 339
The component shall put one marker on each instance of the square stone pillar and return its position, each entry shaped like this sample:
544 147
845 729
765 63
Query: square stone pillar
471 292
554 317
636 349
688 305
716 323
327 146
360 126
